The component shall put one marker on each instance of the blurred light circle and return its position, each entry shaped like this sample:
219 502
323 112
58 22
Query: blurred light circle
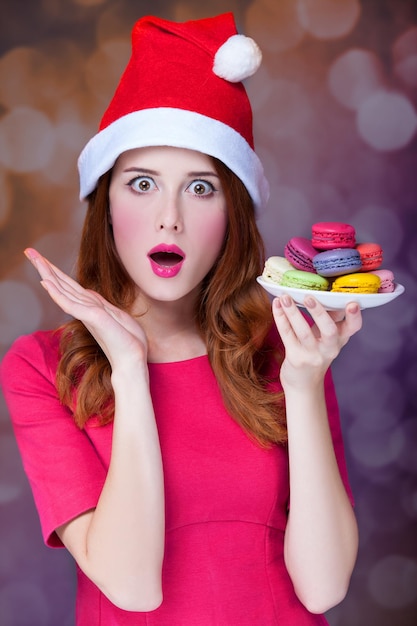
20 310
407 70
274 25
375 393
61 73
408 458
411 257
27 140
327 19
405 45
20 76
293 208
34 77
329 198
378 451
288 106
104 68
72 133
411 372
404 52
393 581
379 418
408 278
116 19
386 121
381 340
9 492
192 10
354 76
269 159
383 225
375 503
61 247
260 89
290 213
408 496
70 138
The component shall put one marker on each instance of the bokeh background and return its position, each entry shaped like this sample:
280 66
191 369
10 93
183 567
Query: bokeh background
335 107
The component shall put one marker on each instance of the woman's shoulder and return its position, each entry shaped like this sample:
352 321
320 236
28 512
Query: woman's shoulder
37 351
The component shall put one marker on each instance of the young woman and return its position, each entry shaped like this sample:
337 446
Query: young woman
182 442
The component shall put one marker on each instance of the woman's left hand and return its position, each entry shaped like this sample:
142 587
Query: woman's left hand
309 350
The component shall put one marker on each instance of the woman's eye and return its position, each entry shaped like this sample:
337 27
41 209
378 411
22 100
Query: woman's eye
201 188
142 184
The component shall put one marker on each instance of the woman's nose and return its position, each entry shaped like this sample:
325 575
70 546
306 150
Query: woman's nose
169 217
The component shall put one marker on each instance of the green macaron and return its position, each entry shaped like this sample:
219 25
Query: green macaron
304 280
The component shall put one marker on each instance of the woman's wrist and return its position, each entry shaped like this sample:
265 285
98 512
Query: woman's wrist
302 384
123 376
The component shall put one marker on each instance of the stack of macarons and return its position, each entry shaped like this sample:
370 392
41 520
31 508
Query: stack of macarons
330 260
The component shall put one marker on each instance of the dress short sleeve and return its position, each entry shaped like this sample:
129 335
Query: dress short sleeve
64 470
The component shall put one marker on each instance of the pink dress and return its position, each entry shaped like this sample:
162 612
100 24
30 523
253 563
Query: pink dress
226 498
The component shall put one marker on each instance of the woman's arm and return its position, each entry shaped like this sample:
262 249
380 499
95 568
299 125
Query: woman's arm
120 544
321 538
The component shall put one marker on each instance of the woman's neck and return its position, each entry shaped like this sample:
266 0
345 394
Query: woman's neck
171 331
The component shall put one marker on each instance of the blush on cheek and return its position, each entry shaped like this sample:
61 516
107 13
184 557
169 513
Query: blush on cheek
126 226
215 231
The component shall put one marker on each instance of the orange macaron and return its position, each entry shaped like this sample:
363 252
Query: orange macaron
371 256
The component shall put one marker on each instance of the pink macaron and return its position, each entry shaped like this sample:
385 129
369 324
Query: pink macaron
328 235
387 280
371 256
300 252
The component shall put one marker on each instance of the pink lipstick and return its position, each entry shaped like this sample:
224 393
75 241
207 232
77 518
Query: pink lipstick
166 260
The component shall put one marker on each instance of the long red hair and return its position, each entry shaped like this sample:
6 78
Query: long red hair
232 310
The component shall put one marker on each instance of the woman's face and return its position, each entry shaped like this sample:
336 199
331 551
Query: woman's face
169 219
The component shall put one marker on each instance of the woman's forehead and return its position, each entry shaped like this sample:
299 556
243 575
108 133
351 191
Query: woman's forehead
153 156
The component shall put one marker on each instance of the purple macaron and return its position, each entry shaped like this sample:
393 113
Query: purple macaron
337 262
300 252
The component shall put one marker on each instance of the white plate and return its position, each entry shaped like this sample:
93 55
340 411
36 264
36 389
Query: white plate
333 301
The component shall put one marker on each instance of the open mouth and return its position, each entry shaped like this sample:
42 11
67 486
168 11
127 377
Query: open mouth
166 259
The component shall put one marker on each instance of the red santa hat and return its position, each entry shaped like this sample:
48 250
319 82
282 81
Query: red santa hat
182 88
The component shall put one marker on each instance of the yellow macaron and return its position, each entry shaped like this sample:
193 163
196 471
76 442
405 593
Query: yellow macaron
356 283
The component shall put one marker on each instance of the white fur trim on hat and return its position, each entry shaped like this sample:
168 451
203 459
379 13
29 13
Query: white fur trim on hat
238 58
164 126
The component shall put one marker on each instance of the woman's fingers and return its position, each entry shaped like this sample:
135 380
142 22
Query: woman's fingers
310 350
292 326
72 303
73 299
352 321
329 333
116 331
49 271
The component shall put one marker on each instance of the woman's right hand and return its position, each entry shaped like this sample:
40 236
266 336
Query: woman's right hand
118 334
119 544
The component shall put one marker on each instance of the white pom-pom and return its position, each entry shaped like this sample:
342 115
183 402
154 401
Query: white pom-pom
238 58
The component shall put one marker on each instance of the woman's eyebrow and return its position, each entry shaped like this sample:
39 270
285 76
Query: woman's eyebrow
145 170
201 174
141 170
